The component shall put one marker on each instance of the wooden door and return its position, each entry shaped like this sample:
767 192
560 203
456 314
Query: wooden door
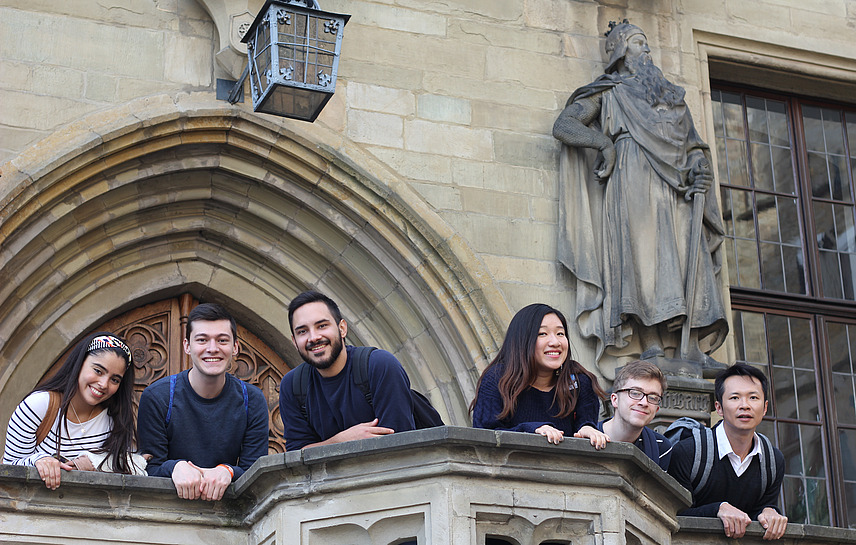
154 333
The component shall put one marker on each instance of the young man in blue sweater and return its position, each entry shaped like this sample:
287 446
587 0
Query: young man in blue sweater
203 427
334 410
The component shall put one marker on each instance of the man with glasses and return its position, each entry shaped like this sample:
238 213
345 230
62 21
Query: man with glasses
636 395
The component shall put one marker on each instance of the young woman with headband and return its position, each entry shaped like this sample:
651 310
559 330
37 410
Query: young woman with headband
91 415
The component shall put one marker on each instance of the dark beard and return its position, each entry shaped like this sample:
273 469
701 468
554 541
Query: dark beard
658 90
336 346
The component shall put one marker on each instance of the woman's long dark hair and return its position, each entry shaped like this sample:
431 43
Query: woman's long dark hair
123 436
516 360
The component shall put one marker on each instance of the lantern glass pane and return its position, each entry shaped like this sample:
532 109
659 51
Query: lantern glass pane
307 48
263 58
292 102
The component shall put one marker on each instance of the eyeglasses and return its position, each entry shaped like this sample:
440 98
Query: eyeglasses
636 395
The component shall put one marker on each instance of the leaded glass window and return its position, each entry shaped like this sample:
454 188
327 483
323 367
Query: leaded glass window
781 346
841 342
785 171
759 201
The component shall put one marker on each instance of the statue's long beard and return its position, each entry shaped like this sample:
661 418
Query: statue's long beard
658 90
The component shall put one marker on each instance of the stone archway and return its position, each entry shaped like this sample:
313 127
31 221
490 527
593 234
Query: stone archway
231 209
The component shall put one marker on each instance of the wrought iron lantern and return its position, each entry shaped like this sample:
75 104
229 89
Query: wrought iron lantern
293 49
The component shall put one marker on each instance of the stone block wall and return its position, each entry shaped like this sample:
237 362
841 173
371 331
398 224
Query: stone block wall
63 60
488 80
454 99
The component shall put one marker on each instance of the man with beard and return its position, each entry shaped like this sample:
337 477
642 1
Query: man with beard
334 409
625 225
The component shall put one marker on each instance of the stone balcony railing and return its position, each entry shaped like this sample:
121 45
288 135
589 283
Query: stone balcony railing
440 486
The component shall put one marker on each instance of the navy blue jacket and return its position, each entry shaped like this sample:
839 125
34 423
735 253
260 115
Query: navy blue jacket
335 404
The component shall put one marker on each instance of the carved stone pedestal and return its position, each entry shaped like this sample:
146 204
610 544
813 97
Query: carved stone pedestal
688 394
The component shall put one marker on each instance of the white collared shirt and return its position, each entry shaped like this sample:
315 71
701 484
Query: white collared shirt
724 448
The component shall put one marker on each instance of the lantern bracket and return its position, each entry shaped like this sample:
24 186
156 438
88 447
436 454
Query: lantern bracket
231 90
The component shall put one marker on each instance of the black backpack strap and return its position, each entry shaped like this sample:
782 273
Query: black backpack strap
360 370
703 463
767 457
299 387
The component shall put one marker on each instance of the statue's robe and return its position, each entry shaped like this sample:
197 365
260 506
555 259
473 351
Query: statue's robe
628 242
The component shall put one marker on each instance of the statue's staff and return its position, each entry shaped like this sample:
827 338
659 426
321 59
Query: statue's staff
697 193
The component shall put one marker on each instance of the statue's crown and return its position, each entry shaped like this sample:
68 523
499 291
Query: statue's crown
618 33
616 41
613 24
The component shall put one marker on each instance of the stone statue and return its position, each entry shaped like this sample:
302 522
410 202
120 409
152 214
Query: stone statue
634 175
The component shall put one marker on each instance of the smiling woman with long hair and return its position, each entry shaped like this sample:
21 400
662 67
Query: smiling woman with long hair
94 417
534 385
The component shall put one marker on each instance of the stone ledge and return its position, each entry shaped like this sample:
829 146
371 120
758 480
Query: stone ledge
692 528
406 457
444 481
84 494
457 436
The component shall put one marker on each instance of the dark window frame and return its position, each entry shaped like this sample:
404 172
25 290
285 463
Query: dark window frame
812 305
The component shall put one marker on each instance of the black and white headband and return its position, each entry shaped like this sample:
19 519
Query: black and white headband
108 341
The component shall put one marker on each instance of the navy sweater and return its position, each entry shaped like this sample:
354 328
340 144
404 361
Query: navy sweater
335 404
743 492
534 407
206 432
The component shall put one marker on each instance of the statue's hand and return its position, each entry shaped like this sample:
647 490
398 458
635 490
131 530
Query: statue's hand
605 163
701 178
701 183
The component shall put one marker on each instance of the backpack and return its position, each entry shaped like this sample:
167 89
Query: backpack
424 414
704 443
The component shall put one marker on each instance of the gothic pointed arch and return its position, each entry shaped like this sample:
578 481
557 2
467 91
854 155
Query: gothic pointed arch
129 207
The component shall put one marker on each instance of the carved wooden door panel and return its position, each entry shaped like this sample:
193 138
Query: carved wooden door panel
154 333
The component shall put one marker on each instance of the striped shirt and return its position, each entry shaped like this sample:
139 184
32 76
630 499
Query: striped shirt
21 448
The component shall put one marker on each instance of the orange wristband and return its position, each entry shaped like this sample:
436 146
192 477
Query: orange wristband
229 469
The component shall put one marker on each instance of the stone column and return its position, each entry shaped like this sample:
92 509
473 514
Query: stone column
688 394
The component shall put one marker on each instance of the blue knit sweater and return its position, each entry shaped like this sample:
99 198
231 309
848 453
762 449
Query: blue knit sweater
534 407
207 432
